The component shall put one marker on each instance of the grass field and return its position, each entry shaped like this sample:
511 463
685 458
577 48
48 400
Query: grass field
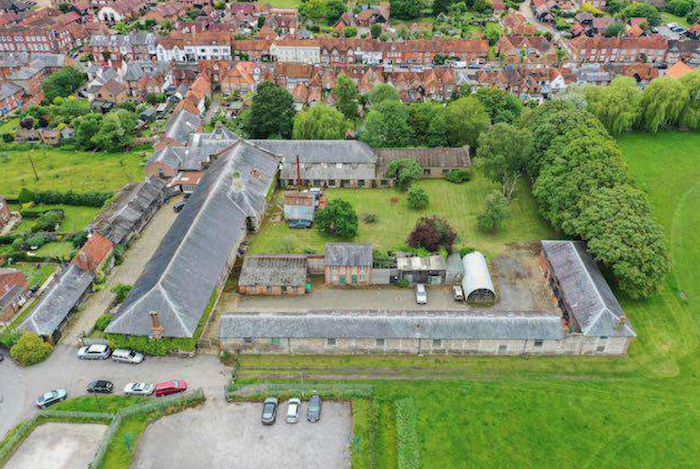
458 203
64 169
76 218
36 273
637 411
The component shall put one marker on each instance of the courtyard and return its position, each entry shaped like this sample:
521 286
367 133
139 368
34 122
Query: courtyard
219 435
58 446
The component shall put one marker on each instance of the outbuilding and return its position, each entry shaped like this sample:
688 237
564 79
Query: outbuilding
348 264
268 274
429 270
477 284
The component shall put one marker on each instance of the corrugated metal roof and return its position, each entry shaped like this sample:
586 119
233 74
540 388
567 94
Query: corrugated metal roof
392 325
590 298
476 274
273 270
349 254
180 277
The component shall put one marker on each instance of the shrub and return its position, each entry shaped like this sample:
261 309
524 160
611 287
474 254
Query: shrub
121 291
403 283
494 214
38 240
8 138
458 176
418 198
49 221
103 321
9 337
432 233
30 349
86 199
465 250
79 239
339 218
370 218
154 347
406 171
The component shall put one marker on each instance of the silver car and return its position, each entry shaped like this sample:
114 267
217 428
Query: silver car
293 410
51 397
421 294
94 352
139 389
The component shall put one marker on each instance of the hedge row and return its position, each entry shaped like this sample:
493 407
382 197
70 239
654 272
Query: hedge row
406 434
85 199
335 391
33 213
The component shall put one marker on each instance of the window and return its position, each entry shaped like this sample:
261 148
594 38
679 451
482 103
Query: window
437 343
331 183
446 171
426 171
380 342
538 343
275 341
600 349
248 340
331 342
502 348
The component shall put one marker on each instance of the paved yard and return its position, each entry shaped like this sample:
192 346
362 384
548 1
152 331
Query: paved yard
58 446
134 261
220 435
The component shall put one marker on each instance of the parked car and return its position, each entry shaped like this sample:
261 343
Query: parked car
170 387
299 224
421 294
313 413
94 352
457 293
100 386
50 398
177 208
293 409
139 389
127 356
269 413
2 357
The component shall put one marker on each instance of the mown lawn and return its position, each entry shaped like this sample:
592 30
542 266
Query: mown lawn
637 411
64 169
36 273
458 203
76 218
58 249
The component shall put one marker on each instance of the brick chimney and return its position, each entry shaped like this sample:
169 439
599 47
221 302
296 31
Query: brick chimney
156 326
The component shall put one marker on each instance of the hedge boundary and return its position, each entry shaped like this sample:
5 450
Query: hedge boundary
406 434
258 392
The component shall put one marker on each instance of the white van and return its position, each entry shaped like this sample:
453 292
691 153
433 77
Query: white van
127 356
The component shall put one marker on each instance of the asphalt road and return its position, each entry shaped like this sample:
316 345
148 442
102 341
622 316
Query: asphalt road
19 387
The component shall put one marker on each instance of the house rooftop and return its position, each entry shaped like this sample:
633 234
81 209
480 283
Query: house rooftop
273 270
349 254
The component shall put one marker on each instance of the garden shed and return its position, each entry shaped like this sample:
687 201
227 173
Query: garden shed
267 274
454 270
477 284
430 270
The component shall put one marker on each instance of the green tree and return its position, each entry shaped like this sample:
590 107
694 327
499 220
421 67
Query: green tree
334 10
680 7
503 152
314 10
338 218
615 105
466 118
320 122
500 105
406 9
63 83
574 94
375 30
346 96
271 113
386 125
85 128
30 349
418 198
615 30
381 93
495 213
642 10
116 131
662 103
427 121
406 171
690 116
350 31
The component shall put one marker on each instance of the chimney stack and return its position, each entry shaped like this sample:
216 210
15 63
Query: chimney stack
156 326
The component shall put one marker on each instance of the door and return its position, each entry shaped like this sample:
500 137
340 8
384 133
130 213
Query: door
342 279
354 279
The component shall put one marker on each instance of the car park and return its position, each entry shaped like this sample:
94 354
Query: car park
94 352
313 412
50 398
170 387
457 293
139 389
269 413
127 356
100 386
293 409
421 294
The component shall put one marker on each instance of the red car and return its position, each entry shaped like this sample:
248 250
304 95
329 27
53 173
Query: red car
170 387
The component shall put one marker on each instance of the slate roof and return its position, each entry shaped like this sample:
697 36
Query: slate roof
426 157
585 290
58 301
125 212
392 325
181 125
324 159
348 254
182 274
9 89
273 270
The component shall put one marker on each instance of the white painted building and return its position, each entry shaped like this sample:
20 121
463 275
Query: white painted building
291 50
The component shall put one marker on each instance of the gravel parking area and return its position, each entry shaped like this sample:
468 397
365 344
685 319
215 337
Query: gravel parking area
221 435
58 446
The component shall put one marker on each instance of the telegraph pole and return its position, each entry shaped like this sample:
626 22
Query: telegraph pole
36 176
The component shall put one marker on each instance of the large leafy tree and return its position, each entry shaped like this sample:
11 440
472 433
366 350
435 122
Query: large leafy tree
334 10
406 9
346 96
432 233
690 116
85 128
620 232
428 124
406 171
381 93
386 125
116 131
63 83
338 218
271 113
500 105
615 105
642 10
466 118
574 94
320 122
495 213
662 103
503 152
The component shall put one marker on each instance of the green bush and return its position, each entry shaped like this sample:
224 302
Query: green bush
103 321
30 349
9 337
86 199
458 176
418 198
154 347
32 213
121 291
406 434
38 240
8 239
49 221
403 283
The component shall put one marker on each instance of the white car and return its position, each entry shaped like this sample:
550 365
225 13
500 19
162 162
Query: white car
421 294
127 356
139 389
94 352
293 410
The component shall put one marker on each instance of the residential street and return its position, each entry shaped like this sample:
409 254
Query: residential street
20 386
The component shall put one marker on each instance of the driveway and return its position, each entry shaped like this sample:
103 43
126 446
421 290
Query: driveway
234 437
135 260
20 386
